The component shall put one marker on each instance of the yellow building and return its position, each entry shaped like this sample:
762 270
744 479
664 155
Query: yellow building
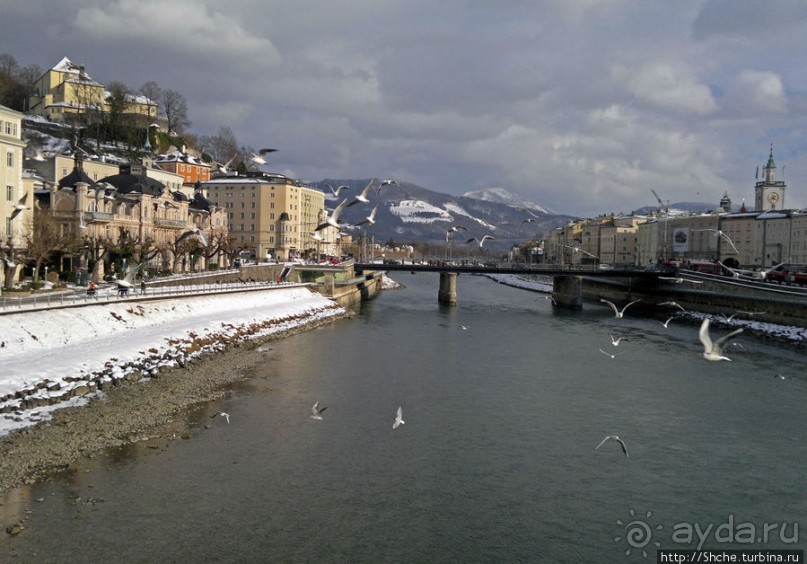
272 216
132 205
67 91
15 203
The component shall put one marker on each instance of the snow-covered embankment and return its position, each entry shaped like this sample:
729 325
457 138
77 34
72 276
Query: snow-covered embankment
55 358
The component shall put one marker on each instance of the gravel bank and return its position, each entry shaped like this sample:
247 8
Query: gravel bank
128 412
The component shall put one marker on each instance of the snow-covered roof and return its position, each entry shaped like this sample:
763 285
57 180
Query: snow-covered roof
179 156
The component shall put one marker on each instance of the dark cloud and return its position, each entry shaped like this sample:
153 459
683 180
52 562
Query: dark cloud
581 106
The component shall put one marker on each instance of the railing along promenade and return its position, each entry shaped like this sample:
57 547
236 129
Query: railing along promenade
111 294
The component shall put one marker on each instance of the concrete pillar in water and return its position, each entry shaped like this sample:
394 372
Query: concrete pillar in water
567 291
330 285
448 288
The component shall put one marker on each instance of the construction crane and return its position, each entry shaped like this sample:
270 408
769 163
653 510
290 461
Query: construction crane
666 209
661 204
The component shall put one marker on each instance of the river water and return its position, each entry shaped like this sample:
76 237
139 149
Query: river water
495 461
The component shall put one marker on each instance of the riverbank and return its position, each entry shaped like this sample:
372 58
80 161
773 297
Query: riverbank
159 360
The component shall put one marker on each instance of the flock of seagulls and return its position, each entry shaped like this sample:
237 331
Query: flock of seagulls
362 198
712 349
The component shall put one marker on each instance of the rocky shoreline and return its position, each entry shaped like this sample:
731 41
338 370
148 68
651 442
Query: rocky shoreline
131 411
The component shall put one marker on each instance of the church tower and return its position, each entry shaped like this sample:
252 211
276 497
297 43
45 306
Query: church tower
725 203
769 193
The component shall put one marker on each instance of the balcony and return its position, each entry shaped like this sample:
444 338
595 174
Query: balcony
172 223
98 217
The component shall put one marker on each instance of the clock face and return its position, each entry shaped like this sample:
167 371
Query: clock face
773 197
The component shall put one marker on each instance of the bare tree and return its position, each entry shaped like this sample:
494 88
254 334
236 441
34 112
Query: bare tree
222 147
175 110
44 236
119 102
153 92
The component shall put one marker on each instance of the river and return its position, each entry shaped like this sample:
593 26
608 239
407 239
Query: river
496 460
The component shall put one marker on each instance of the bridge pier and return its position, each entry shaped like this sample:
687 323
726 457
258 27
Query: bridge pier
567 291
447 295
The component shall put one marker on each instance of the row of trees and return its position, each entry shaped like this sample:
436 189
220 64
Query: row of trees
48 244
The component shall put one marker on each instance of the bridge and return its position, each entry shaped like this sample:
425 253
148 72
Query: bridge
566 286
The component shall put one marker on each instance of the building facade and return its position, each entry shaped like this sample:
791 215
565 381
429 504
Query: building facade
272 216
132 206
15 203
190 168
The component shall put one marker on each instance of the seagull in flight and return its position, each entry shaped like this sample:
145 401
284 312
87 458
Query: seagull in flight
679 280
464 327
526 210
607 354
719 233
617 439
335 191
20 206
673 304
713 350
616 340
667 323
225 168
386 182
333 220
190 233
579 250
398 418
363 197
736 313
369 219
222 414
455 228
528 220
480 241
617 312
551 298
316 410
259 158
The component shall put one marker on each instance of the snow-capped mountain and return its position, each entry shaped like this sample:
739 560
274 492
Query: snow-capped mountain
502 196
410 213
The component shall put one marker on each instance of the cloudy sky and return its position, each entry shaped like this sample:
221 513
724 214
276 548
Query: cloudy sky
580 105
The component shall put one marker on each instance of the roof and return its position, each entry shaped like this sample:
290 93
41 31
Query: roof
178 156
127 183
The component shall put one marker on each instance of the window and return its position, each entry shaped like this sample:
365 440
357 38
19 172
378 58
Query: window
10 193
8 225
10 159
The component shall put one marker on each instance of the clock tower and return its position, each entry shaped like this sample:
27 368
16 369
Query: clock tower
769 193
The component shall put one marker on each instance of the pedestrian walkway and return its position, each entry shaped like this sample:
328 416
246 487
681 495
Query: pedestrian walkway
74 297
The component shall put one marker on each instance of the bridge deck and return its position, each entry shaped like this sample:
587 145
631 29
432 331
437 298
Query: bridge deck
547 270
